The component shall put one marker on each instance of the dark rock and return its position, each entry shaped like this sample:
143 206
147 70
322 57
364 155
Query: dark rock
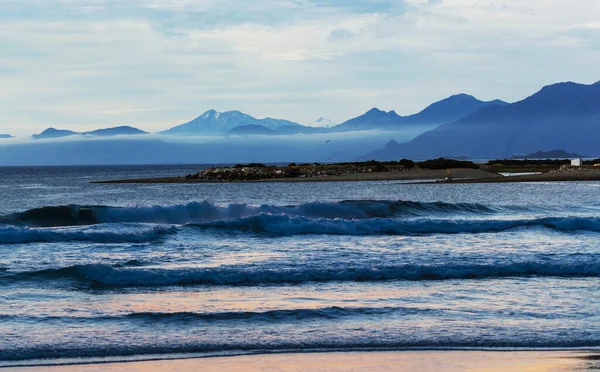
261 172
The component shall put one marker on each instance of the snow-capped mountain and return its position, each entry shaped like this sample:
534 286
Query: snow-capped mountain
214 122
322 123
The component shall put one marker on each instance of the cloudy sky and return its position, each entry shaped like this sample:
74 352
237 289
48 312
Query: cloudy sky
84 64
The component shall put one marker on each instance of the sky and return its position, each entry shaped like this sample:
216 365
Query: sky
154 64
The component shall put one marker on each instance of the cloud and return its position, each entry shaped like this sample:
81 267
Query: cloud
82 64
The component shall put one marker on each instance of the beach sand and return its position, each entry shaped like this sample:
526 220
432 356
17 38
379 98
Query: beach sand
422 361
416 174
570 176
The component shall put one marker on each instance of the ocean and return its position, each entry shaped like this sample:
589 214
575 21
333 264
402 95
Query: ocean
104 272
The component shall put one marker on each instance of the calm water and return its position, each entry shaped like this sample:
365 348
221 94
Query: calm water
134 271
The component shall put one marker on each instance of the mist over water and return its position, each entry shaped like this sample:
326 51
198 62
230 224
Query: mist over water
164 149
126 271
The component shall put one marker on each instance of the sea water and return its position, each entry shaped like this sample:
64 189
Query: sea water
96 272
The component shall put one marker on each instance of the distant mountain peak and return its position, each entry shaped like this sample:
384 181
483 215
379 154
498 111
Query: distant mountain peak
450 109
372 119
209 114
380 113
375 110
52 129
391 144
54 133
322 122
461 96
213 122
562 99
563 88
560 85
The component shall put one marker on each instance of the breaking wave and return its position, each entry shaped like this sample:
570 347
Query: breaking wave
362 217
200 212
109 233
288 226
110 276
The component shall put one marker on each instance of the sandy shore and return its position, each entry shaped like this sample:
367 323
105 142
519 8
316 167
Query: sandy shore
590 175
422 361
417 174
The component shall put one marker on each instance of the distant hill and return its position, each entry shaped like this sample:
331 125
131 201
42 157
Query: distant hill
553 154
5 136
388 152
108 132
372 119
252 129
564 116
117 131
450 109
444 111
213 123
54 133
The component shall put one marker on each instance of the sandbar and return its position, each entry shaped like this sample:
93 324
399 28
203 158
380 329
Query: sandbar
414 174
568 176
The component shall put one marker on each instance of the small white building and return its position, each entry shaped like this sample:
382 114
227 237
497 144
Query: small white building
577 162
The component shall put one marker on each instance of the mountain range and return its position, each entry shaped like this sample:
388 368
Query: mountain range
444 111
5 136
108 132
235 122
563 115
559 116
213 123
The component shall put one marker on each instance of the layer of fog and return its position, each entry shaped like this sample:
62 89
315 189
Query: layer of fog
161 149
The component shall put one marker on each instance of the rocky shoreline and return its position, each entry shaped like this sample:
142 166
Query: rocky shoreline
436 171
412 174
262 172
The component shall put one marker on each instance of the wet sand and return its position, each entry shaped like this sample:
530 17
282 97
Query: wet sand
417 174
571 176
423 361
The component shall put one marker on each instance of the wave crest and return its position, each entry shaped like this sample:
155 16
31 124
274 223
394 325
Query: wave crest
199 212
105 275
288 226
94 234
